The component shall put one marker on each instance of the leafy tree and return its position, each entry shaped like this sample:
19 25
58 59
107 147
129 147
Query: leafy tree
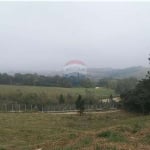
80 104
103 82
111 98
124 85
69 99
138 99
41 80
119 85
61 99
87 83
90 98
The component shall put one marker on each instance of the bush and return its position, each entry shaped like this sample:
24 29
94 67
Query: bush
80 104
112 136
138 100
146 139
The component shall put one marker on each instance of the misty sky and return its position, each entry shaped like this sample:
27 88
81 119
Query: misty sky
45 35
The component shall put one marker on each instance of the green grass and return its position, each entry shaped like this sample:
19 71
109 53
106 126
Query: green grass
98 147
53 91
49 95
107 131
112 136
146 139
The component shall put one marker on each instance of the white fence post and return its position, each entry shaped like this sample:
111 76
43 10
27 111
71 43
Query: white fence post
31 108
25 108
19 107
12 108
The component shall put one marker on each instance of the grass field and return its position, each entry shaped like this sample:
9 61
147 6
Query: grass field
100 131
54 92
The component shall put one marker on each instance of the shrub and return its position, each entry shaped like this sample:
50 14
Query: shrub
146 139
111 136
80 104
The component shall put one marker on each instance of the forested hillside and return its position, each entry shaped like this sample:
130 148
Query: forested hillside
99 73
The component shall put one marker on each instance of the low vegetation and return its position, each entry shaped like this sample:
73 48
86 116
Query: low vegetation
112 136
119 85
10 94
99 131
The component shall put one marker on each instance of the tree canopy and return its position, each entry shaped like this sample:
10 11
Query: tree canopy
80 104
138 99
41 80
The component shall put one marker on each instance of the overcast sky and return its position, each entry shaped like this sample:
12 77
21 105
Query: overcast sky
45 35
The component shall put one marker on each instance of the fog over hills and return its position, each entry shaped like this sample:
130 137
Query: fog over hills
42 36
136 71
96 73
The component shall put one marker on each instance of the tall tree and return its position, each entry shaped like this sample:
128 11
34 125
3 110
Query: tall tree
138 99
61 99
80 104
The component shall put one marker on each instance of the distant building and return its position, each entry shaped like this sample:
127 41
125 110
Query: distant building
75 68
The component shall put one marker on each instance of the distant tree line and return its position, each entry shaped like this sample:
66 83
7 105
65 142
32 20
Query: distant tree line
119 85
41 80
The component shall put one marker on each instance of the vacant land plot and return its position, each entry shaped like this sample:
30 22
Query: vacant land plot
101 131
53 91
37 95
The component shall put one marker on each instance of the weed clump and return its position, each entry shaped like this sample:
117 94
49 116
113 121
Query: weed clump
112 136
138 126
146 139
99 147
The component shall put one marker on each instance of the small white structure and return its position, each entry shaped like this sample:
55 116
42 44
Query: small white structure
75 68
97 87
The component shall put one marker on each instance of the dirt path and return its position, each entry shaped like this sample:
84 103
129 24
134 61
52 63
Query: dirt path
90 112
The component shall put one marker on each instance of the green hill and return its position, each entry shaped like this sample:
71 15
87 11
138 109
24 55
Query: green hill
99 73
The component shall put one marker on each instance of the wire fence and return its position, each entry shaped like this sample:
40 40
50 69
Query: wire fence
88 147
55 108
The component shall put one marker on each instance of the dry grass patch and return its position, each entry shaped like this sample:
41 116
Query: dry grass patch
29 131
